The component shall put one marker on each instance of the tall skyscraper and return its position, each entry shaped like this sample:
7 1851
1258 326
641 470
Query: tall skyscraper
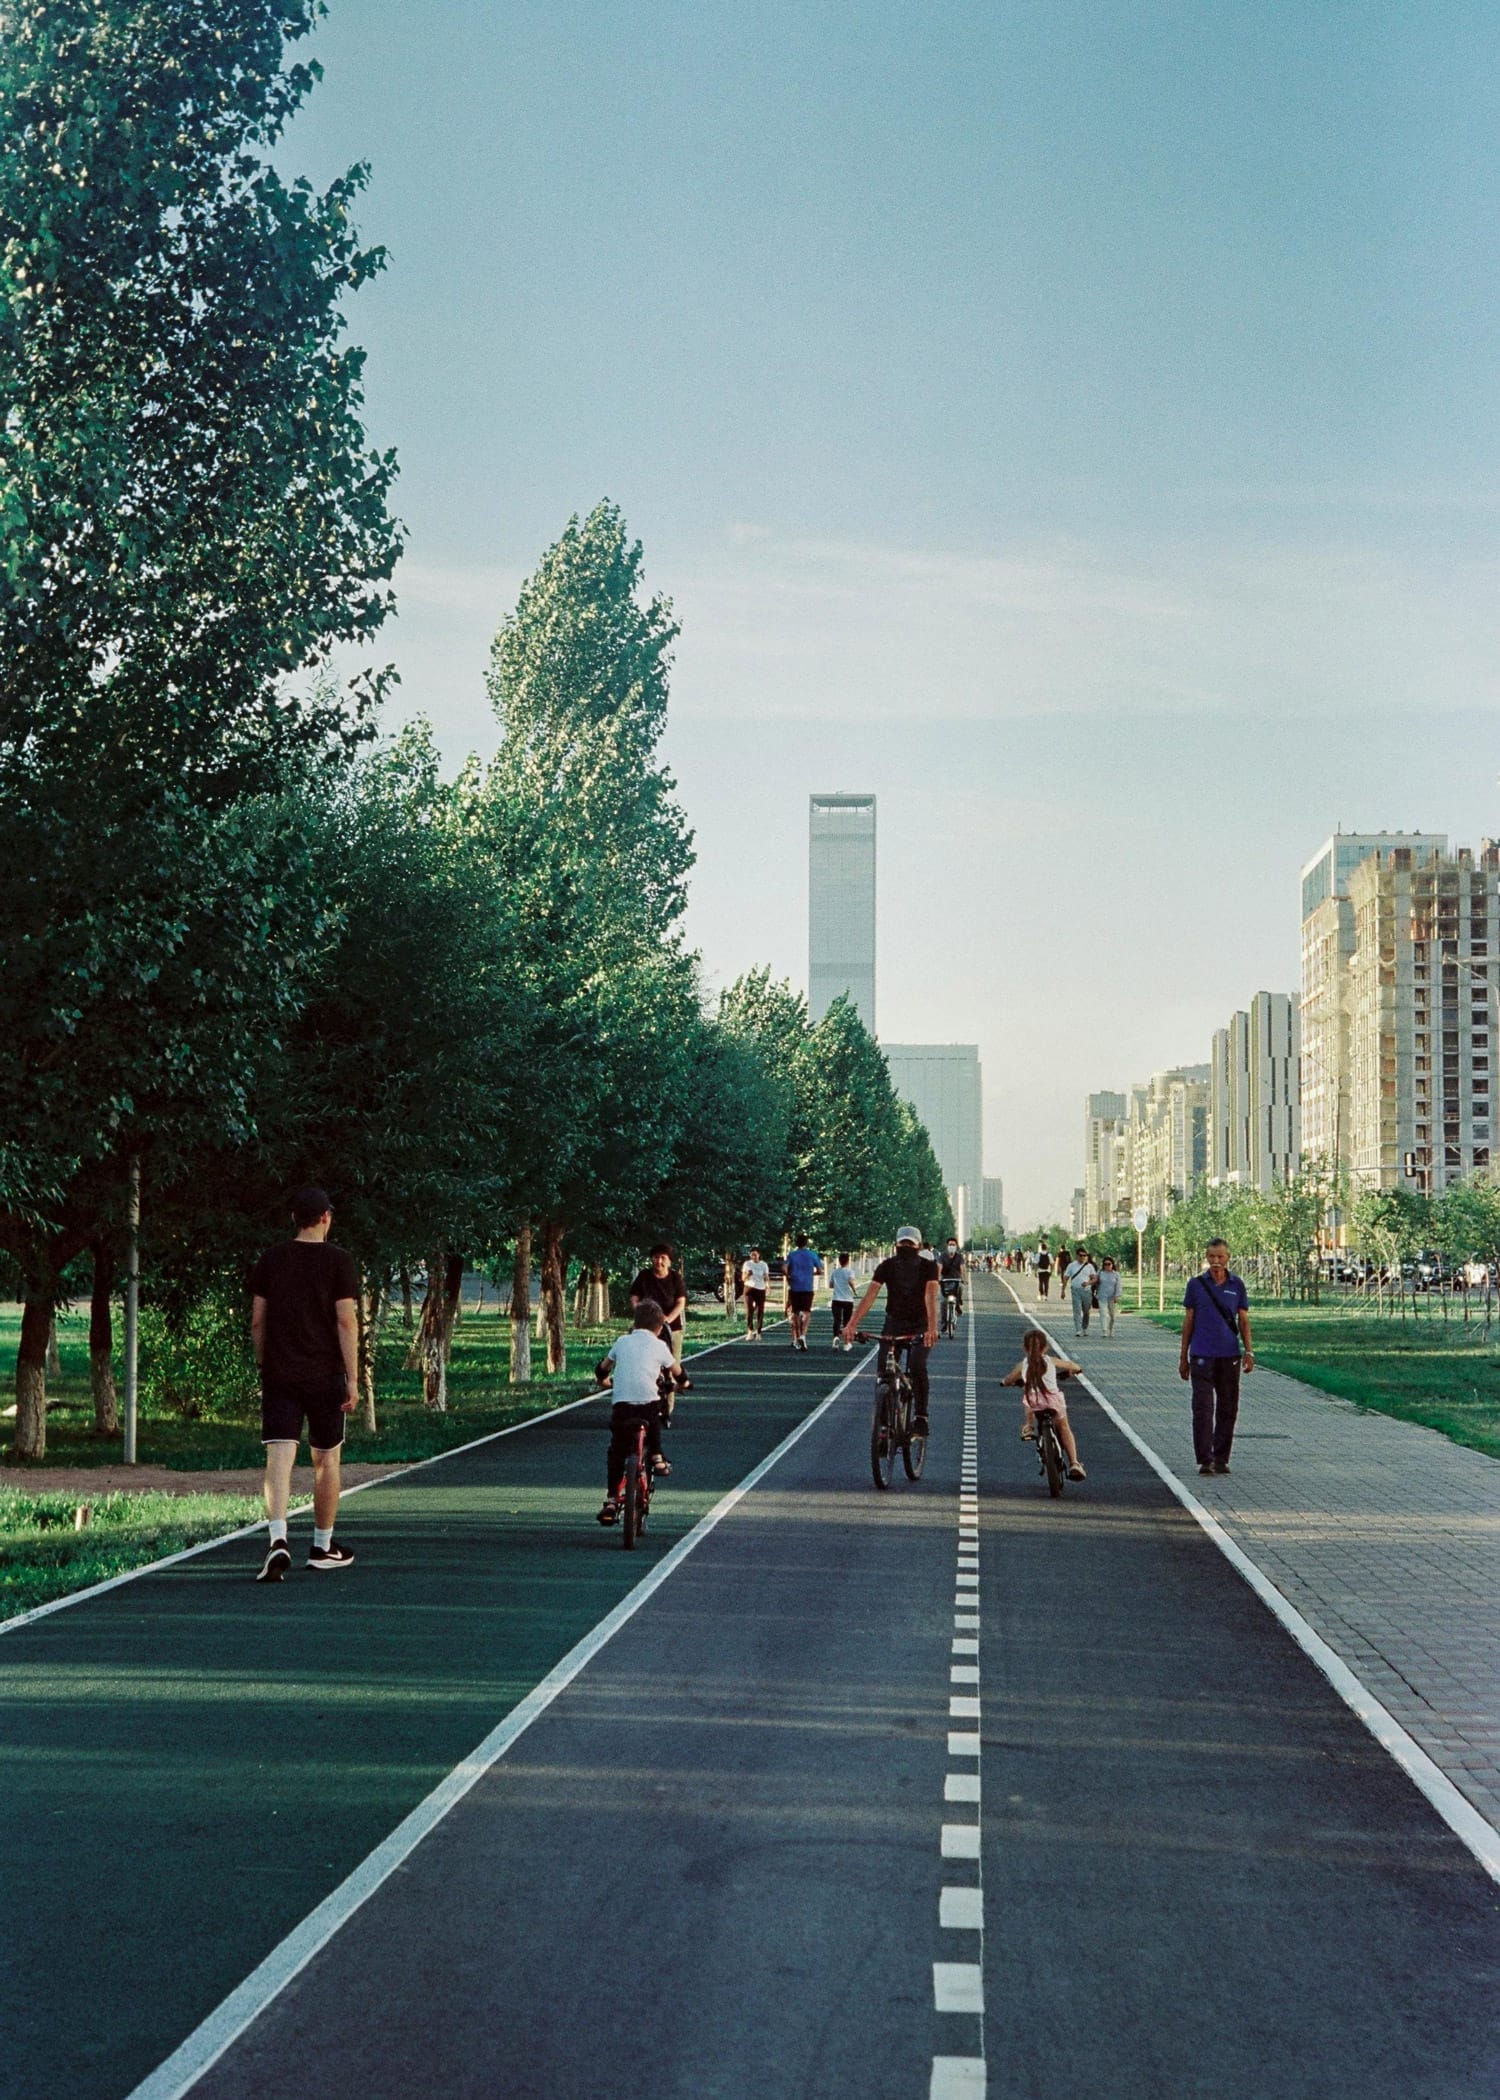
1105 1198
945 1085
1254 1131
1327 950
841 904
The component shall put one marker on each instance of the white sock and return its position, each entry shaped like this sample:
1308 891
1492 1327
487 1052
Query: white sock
277 1527
322 1539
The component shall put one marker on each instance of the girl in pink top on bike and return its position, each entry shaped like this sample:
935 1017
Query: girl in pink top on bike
1037 1374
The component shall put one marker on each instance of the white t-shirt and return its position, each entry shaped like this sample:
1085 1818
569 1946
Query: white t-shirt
1081 1272
841 1282
639 1359
756 1275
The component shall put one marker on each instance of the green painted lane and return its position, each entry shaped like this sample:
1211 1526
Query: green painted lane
191 1762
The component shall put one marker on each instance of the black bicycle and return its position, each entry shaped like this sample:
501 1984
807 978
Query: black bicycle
1049 1450
891 1430
950 1311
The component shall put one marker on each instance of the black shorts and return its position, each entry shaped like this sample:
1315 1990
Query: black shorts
282 1414
800 1301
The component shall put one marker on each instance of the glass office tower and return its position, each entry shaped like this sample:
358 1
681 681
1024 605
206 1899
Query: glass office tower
841 904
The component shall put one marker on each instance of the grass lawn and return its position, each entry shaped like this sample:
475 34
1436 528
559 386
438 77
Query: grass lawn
1444 1377
42 1556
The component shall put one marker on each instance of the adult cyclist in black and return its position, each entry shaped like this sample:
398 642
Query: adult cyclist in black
910 1281
951 1273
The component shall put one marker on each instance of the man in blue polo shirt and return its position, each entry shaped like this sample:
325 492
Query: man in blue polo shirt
803 1268
1215 1341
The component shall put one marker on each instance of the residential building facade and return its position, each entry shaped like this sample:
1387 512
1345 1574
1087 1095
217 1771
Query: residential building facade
1424 1022
841 904
1106 1198
1254 1124
1168 1138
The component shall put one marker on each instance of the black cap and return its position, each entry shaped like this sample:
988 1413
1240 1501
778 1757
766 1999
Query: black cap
308 1205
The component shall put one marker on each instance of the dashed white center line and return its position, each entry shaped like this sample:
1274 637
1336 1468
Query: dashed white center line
964 1673
961 1910
965 1644
957 2078
961 1786
958 1986
960 1841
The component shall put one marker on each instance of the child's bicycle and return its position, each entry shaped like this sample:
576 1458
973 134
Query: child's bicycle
633 1493
1049 1450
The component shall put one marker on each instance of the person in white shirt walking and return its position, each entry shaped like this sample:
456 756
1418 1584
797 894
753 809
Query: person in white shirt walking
841 1285
755 1275
1080 1277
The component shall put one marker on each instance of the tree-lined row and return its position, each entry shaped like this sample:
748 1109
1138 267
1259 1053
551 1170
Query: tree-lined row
241 949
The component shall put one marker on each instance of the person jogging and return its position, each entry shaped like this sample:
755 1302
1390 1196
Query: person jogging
756 1277
841 1289
803 1268
303 1322
909 1279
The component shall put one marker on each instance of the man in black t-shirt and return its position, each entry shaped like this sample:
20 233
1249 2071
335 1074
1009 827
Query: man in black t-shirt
303 1322
910 1281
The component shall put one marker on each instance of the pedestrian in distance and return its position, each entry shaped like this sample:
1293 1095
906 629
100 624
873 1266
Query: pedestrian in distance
663 1285
803 1268
841 1288
1080 1276
1107 1293
1215 1344
303 1324
1043 1269
756 1277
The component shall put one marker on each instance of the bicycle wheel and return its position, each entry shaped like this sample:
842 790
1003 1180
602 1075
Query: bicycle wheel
883 1437
913 1448
1052 1460
631 1513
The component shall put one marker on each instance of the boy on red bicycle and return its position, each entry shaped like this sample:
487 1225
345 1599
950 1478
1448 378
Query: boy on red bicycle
640 1368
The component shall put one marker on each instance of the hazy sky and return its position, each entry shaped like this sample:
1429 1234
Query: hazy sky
1074 421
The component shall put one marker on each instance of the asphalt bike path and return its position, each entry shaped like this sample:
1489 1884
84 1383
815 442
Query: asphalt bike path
191 1762
1201 1874
712 1866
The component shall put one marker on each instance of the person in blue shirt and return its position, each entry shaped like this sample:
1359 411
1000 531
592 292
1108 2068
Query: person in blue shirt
1215 1343
803 1268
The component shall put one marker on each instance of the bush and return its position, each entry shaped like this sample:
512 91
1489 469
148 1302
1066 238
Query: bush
200 1363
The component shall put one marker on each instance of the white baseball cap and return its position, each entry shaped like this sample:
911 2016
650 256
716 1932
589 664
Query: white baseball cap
908 1233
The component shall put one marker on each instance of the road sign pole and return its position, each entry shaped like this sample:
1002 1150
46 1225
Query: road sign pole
1140 1218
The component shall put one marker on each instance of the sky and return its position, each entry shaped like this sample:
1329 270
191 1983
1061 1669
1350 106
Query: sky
1074 421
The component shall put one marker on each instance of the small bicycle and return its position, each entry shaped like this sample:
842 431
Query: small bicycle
950 1314
891 1424
1050 1455
635 1491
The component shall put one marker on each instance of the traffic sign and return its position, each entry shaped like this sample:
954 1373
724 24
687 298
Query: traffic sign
1140 1217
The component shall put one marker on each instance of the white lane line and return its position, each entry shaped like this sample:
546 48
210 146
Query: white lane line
958 1986
245 1531
957 2078
964 1673
964 1645
967 1621
963 1708
228 2021
960 1841
1460 1815
963 1742
961 1910
961 1786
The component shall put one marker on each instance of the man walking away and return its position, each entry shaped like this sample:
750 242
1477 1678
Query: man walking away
1215 1331
1043 1270
803 1268
1080 1277
302 1323
841 1286
756 1277
663 1285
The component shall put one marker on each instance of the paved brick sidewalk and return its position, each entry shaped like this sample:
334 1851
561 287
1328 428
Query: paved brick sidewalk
1385 1536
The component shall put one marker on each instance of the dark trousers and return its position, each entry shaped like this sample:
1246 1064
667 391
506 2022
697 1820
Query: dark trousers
1216 1404
841 1309
625 1417
755 1312
916 1365
1043 1278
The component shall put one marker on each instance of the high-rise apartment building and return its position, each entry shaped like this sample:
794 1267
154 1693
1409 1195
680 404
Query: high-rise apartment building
841 904
1105 1200
945 1085
1253 1124
1423 1018
992 1202
1167 1144
1327 948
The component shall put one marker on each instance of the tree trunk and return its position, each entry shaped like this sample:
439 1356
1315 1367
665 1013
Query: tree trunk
599 1310
435 1328
54 1358
368 1307
31 1378
520 1310
453 1291
102 1343
554 1290
406 1297
583 1297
